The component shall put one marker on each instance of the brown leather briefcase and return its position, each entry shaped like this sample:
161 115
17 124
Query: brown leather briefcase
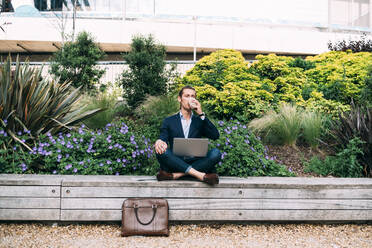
145 216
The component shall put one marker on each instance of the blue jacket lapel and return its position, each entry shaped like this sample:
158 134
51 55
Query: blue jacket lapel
192 126
179 126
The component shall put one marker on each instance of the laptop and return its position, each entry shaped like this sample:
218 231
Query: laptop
191 147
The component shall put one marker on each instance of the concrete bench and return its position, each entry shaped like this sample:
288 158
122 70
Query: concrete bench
99 198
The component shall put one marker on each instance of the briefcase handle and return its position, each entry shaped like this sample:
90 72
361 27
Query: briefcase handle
154 207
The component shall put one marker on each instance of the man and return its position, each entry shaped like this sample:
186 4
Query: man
185 124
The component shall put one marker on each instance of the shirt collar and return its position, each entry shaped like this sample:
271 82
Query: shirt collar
181 115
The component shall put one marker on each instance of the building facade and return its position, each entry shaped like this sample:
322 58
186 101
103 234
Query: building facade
189 29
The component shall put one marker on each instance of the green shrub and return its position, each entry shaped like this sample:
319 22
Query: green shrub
282 127
243 154
13 157
112 151
226 88
147 73
356 123
343 164
366 93
229 87
301 63
340 76
126 149
361 45
317 103
75 62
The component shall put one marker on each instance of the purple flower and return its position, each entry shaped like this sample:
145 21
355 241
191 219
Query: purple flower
117 174
6 122
108 162
253 149
75 170
19 133
67 167
23 166
54 172
100 164
68 135
118 160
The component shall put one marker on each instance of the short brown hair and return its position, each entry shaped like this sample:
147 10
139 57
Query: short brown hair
185 87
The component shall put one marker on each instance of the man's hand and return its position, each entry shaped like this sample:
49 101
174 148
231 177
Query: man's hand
198 110
160 146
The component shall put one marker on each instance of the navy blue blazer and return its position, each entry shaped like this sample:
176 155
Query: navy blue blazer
172 128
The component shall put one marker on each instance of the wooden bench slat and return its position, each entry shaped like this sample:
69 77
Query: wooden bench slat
123 192
30 214
6 202
116 203
229 215
230 182
26 179
30 191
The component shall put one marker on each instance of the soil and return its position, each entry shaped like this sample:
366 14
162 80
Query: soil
294 157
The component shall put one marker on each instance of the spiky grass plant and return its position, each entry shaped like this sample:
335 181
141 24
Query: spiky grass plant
282 127
30 103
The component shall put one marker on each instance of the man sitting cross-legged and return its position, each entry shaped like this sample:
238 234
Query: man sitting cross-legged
185 124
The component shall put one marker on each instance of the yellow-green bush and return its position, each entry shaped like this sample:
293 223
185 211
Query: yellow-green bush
231 87
340 76
226 87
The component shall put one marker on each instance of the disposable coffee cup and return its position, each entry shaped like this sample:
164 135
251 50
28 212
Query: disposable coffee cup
192 103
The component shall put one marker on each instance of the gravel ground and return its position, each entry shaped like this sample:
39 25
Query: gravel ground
213 235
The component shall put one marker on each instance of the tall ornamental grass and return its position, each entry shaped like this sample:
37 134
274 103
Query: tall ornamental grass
312 125
280 128
108 102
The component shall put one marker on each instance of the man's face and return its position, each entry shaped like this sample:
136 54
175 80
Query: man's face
184 100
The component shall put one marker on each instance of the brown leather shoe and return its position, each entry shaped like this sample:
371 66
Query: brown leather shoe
163 175
211 178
